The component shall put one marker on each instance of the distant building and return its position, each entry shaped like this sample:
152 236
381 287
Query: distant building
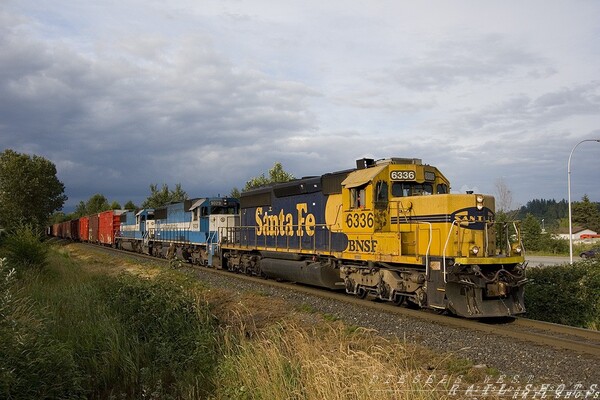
580 234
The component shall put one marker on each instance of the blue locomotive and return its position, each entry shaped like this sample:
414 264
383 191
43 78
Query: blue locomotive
187 230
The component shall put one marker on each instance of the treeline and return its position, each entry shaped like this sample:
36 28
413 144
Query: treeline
98 203
554 214
163 196
542 219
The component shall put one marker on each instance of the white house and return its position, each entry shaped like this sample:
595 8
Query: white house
580 234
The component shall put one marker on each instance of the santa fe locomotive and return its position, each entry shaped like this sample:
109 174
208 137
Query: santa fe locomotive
388 229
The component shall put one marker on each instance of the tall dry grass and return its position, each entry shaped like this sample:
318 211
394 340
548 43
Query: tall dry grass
325 361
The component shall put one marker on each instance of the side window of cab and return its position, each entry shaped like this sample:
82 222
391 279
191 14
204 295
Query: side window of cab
381 195
357 197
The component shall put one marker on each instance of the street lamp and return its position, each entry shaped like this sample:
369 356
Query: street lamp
569 190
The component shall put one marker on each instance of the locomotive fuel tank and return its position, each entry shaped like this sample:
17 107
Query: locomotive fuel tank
308 272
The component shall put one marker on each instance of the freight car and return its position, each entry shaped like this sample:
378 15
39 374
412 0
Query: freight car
388 229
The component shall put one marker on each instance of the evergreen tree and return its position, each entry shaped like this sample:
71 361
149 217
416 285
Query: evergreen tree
531 233
129 206
586 214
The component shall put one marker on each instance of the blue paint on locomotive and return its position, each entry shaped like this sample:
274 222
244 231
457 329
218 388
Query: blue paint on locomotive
133 224
291 222
189 221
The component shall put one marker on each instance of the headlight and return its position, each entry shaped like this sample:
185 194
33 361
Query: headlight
474 250
479 199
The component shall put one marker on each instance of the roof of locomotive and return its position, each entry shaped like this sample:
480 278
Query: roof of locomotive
329 183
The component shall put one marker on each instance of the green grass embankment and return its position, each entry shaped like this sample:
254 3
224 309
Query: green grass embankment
68 332
91 326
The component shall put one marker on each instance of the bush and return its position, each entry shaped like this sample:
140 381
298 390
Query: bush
69 333
33 364
24 249
565 294
175 334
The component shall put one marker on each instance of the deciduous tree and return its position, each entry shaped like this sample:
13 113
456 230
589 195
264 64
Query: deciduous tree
276 174
97 203
29 190
159 198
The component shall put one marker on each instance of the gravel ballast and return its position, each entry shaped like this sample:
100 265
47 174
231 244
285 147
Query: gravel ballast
546 369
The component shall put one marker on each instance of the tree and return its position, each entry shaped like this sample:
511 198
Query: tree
235 193
503 196
130 206
276 175
115 205
586 214
160 198
29 190
96 204
531 232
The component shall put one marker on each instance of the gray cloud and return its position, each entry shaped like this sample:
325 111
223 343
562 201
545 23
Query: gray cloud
154 112
123 95
451 62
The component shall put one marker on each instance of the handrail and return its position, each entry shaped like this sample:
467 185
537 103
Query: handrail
428 246
445 248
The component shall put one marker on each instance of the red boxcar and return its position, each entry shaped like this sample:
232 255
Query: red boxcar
109 225
65 230
55 229
74 229
84 229
93 235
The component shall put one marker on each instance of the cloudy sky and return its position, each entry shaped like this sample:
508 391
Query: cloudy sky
122 94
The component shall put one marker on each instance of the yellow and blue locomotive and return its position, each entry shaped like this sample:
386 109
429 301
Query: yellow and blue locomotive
389 229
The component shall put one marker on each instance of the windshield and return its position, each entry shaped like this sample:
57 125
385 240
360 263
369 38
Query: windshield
405 189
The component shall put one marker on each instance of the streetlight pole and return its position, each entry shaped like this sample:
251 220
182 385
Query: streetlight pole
569 190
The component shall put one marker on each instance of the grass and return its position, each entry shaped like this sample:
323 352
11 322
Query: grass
75 333
292 360
92 326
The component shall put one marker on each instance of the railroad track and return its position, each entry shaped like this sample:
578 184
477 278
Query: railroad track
583 341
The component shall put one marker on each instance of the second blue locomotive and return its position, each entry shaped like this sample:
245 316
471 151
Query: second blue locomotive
188 230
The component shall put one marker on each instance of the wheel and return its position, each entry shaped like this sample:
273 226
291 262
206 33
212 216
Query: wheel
361 292
399 300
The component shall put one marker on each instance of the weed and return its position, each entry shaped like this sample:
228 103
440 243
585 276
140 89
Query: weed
24 249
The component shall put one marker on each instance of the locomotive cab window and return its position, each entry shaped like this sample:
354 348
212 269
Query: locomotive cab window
223 210
405 189
357 197
381 194
442 188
